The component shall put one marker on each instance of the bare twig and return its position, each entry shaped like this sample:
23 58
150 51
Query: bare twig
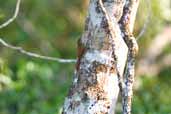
13 17
21 50
147 20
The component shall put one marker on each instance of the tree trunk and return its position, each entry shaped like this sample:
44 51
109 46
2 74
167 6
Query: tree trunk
102 54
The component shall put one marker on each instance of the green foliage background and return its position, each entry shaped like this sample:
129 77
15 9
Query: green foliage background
52 27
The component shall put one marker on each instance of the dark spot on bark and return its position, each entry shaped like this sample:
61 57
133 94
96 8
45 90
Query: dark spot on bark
113 69
98 97
87 23
126 16
101 95
104 25
89 35
87 77
101 68
85 97
97 8
74 104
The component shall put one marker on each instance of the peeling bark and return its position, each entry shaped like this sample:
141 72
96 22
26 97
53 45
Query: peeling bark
102 55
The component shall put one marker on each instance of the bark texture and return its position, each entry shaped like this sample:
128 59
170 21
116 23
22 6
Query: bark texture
126 24
102 55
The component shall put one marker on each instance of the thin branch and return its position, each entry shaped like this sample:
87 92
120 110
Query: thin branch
35 55
13 17
147 20
20 49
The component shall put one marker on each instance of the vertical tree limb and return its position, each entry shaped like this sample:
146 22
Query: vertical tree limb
126 24
102 55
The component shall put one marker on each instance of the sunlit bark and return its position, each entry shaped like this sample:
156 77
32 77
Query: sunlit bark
95 85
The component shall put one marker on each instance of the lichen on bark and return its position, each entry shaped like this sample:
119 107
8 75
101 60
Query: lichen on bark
95 86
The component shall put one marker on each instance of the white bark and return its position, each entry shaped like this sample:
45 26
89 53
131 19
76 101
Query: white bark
95 86
127 23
